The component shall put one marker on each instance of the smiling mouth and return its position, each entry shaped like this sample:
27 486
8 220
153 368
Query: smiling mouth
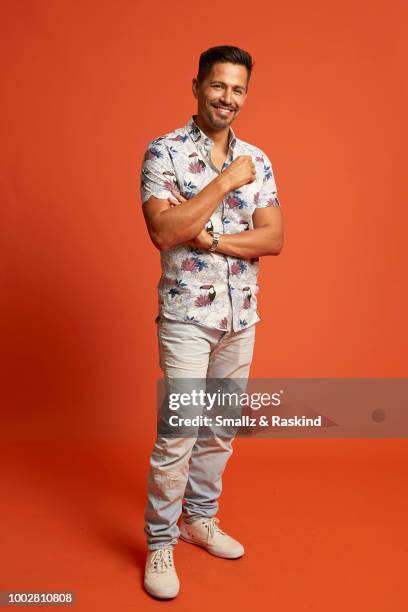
222 109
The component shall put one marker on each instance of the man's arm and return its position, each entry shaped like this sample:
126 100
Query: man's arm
171 225
267 236
265 239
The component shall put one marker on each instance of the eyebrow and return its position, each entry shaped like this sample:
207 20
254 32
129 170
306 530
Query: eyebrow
221 83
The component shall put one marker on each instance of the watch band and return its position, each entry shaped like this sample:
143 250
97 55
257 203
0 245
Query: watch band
216 239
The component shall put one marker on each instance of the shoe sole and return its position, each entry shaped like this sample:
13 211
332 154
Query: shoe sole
182 537
168 596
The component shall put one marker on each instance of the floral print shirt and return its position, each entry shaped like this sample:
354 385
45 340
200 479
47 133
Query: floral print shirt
196 285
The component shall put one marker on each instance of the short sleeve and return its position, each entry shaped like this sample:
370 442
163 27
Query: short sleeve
268 194
157 176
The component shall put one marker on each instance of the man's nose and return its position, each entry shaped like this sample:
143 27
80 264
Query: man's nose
226 97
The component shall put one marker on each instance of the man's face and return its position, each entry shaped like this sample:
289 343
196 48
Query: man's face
222 94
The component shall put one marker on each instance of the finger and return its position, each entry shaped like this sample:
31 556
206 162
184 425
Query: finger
180 198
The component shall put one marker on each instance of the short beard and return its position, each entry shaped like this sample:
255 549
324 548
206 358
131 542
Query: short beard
219 123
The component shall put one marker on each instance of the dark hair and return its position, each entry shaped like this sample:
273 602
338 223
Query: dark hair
224 53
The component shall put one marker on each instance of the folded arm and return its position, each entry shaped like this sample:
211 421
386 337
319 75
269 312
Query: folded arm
170 225
265 239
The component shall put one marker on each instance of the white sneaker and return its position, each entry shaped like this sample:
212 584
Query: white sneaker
161 578
205 532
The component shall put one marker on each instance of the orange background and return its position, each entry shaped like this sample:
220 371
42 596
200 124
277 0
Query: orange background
85 86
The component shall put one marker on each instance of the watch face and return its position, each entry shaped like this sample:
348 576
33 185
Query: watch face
216 238
209 227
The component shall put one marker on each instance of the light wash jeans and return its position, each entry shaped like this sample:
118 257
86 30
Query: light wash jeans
191 468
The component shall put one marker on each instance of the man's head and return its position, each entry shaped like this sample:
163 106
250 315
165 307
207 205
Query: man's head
221 85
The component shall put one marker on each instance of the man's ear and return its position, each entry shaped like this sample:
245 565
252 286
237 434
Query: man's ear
195 87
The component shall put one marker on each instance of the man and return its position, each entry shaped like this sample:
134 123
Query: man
210 206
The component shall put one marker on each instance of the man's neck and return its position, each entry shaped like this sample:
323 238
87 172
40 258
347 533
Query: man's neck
220 137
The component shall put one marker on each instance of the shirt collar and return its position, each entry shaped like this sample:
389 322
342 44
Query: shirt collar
202 139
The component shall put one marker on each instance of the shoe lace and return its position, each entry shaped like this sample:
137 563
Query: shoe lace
162 559
212 525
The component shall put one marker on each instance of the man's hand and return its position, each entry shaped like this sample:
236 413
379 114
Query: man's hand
240 172
204 239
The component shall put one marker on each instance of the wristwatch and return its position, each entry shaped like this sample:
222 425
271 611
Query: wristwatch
216 239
